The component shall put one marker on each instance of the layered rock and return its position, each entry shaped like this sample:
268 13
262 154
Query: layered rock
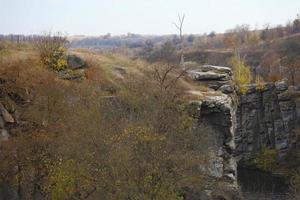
266 117
214 77
217 111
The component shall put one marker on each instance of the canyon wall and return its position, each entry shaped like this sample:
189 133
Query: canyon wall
266 117
218 112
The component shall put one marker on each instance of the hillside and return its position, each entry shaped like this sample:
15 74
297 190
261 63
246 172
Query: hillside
110 117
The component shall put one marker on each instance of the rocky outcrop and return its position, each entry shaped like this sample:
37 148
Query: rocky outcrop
10 98
214 77
217 111
266 117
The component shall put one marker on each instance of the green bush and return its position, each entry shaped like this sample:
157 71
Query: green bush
266 159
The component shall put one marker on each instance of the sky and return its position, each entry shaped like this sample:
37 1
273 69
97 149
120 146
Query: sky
97 17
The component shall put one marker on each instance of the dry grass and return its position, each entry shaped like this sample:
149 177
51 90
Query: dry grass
107 71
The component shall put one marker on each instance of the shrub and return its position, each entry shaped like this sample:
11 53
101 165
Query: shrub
266 159
53 51
242 73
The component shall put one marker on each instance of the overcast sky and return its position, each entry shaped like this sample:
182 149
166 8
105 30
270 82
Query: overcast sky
95 17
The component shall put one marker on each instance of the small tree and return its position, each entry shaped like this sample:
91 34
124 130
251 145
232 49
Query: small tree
242 73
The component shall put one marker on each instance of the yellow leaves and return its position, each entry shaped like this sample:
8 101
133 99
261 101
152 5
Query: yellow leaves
260 84
242 73
56 59
66 178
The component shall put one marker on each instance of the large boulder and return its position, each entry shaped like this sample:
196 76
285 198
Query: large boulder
75 62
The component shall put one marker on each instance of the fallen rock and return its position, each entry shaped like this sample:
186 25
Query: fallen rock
7 117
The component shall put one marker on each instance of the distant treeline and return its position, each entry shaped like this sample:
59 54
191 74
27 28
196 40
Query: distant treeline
19 37
129 40
238 37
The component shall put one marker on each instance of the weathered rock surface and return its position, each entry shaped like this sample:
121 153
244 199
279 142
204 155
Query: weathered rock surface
214 77
217 69
208 76
218 111
265 118
244 123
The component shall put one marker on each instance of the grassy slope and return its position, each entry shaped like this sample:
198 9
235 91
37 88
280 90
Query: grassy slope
105 71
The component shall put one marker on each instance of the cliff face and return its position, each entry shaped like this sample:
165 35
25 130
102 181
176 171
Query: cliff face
218 111
243 123
265 118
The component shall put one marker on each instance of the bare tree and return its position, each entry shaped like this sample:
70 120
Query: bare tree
179 26
167 76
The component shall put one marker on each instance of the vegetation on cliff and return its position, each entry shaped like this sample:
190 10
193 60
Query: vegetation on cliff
84 140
